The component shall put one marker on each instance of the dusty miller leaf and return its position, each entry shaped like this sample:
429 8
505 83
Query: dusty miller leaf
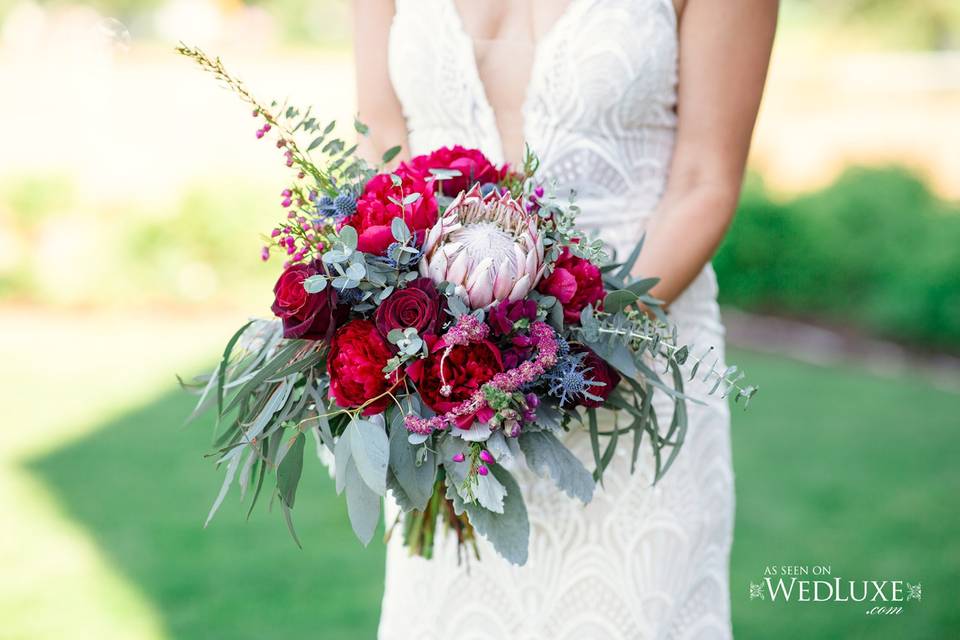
416 482
509 532
546 455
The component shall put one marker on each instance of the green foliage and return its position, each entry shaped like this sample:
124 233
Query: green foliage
875 250
931 24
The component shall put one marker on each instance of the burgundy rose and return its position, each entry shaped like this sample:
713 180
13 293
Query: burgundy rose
355 365
474 167
598 370
378 206
417 306
575 283
310 316
465 369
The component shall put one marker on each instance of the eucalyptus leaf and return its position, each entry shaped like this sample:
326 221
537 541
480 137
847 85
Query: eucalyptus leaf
356 271
342 452
617 301
289 471
642 286
417 438
334 256
363 504
401 233
233 464
288 518
224 361
348 236
370 451
315 284
391 153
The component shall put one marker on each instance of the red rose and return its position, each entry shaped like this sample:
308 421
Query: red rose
575 283
417 306
598 370
377 207
310 316
471 163
465 369
355 365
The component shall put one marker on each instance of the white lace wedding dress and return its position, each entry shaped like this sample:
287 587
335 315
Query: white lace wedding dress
639 561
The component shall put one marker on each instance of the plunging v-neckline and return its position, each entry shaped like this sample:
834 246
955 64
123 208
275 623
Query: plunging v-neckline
480 89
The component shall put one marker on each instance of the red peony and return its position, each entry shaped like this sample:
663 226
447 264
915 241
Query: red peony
310 316
465 369
598 370
375 210
355 365
417 306
575 283
474 167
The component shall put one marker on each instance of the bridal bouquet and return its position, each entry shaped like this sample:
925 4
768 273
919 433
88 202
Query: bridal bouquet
435 326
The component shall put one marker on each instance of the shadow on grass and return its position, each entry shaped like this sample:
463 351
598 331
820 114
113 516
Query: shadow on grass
141 487
834 467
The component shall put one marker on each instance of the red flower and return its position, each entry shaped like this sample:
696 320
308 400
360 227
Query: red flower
474 167
575 283
503 316
465 369
598 370
355 365
417 306
310 316
378 206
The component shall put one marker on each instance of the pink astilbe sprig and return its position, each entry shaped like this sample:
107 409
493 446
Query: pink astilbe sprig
466 331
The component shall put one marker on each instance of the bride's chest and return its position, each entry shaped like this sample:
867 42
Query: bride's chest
591 59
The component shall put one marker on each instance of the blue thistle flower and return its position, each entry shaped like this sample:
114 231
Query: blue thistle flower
344 206
350 296
325 206
568 379
389 261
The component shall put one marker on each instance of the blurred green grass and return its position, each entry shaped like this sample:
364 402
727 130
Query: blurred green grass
834 466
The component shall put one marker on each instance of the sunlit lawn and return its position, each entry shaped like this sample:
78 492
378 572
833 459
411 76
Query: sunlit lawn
104 509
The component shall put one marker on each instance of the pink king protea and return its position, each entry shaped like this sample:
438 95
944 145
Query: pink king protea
487 246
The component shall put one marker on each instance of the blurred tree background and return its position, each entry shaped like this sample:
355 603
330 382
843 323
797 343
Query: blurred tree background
132 196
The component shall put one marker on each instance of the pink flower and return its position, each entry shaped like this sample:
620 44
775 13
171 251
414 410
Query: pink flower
378 206
474 167
575 283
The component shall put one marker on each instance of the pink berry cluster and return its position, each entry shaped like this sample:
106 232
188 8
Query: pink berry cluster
302 235
486 461
299 237
534 203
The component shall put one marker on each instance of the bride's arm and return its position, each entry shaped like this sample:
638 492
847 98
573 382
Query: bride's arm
724 51
377 104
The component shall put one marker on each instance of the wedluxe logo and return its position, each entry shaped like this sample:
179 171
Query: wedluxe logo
816 583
